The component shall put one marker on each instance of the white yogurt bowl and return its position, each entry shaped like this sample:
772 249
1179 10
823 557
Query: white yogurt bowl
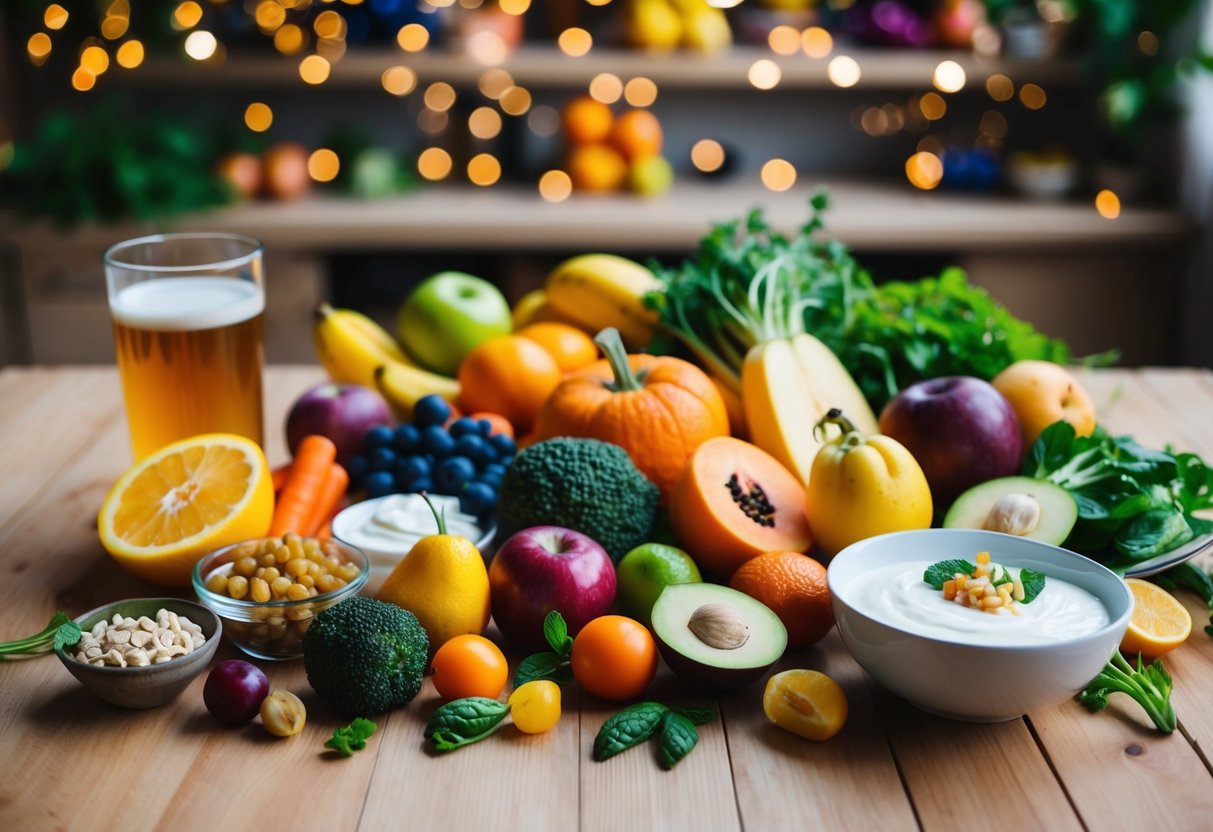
960 676
386 528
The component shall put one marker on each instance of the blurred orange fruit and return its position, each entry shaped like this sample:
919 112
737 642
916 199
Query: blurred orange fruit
500 423
571 347
794 586
587 121
597 167
637 135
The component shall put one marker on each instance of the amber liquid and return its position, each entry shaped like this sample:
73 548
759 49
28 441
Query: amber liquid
180 383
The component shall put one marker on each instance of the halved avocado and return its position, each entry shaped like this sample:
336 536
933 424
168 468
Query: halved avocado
716 636
1016 505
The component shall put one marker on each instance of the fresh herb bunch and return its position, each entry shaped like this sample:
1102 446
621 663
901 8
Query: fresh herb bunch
1132 500
1149 686
749 284
345 741
61 632
114 162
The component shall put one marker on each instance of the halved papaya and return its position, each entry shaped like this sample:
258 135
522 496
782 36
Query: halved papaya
732 502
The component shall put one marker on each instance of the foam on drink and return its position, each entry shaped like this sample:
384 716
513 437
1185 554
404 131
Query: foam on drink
187 303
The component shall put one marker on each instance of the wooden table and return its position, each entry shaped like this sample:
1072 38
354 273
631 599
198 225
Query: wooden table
69 761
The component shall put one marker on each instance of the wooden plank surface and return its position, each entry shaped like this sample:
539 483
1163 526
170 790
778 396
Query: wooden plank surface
63 441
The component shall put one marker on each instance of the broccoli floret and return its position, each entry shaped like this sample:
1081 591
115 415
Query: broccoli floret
582 484
365 656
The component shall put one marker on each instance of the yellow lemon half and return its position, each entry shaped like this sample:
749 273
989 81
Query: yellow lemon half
187 499
1159 623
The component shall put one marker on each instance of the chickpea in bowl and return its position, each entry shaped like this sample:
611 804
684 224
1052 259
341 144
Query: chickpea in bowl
267 591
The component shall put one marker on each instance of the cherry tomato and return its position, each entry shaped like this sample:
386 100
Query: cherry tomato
469 665
614 658
535 707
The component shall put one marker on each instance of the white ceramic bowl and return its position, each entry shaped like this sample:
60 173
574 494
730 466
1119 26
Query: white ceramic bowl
963 679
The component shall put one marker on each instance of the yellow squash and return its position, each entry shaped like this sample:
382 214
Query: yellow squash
863 485
789 384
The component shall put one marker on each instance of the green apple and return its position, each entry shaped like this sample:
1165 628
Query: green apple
447 315
650 177
648 569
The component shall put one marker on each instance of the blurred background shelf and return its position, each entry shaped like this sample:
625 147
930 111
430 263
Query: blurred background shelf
549 68
1058 264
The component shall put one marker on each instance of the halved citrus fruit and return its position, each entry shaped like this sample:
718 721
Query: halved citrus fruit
1159 623
184 501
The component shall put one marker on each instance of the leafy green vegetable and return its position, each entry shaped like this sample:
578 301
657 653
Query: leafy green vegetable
749 284
1150 687
628 728
1131 499
678 739
945 570
632 726
1033 583
59 633
464 721
115 161
1192 577
697 716
553 666
345 741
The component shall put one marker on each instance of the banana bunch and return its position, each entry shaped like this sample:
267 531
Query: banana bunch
595 291
353 349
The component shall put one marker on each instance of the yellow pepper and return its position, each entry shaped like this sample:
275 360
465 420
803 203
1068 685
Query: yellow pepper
861 486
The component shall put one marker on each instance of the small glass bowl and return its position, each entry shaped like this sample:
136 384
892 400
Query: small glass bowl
272 629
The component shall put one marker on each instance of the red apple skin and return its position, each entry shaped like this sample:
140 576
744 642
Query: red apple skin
342 412
960 430
547 568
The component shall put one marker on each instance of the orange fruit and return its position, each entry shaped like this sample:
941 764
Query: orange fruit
571 347
185 500
587 121
597 167
1159 623
794 586
637 135
805 702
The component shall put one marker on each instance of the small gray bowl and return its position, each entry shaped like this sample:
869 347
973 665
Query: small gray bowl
154 685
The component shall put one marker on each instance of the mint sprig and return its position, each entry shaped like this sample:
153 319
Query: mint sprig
554 665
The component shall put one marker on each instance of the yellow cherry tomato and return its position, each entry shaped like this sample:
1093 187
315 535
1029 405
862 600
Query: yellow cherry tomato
535 706
861 486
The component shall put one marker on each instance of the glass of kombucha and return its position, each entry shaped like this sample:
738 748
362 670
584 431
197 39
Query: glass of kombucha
187 311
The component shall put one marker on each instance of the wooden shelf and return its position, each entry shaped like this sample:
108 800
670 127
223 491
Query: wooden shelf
868 216
545 67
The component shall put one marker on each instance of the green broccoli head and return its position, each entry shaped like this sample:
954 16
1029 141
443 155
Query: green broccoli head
582 484
365 656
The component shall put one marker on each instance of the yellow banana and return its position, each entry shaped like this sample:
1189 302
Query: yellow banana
787 385
403 385
350 345
600 290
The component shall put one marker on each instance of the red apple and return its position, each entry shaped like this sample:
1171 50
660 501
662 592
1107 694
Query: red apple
960 429
547 568
342 412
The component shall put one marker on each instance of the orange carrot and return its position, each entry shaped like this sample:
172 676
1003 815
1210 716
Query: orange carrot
326 531
311 466
280 475
330 495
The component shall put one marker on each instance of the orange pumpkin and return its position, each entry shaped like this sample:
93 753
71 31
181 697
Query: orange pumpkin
509 375
657 408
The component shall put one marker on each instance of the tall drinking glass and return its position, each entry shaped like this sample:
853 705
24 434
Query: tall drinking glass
187 312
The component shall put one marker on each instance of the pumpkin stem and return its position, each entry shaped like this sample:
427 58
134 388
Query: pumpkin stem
440 518
611 344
